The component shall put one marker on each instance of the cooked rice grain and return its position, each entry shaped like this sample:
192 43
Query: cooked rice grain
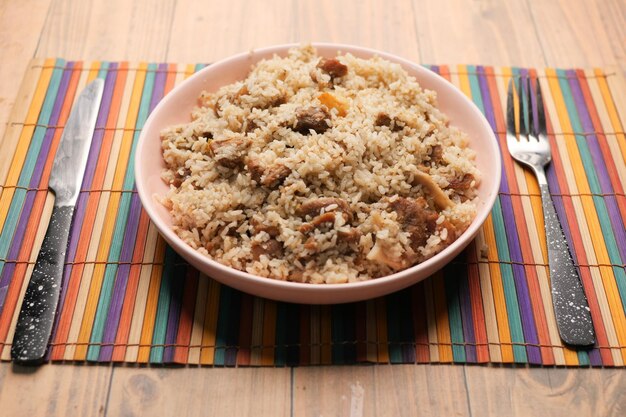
301 173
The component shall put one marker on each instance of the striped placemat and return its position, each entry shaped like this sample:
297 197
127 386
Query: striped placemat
127 297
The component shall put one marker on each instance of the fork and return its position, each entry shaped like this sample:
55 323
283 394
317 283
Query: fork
532 149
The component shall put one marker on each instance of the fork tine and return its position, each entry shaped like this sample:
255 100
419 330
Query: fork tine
510 109
530 127
541 115
523 131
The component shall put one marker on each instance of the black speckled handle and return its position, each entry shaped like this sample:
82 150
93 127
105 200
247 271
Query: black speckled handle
34 324
568 296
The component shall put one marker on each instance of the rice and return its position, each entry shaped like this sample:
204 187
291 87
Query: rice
319 170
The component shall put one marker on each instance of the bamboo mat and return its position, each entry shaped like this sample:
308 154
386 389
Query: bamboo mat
127 297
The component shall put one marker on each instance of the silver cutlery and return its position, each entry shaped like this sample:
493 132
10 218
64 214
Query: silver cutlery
34 324
530 147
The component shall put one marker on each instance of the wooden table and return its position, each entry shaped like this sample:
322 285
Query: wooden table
565 33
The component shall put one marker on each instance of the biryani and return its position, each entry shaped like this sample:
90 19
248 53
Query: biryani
319 170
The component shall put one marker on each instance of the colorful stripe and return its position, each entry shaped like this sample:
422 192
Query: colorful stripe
128 297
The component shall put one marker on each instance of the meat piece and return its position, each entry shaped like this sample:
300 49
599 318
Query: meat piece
436 154
398 125
413 211
270 177
275 175
462 183
312 118
180 177
257 227
251 126
207 134
255 169
318 221
311 244
276 101
230 152
417 219
332 67
272 249
314 206
349 236
383 119
266 103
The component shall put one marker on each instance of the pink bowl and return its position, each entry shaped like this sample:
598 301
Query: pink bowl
176 108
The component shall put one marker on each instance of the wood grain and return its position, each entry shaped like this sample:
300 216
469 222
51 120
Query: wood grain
545 392
107 30
489 32
195 37
573 33
380 390
613 15
54 390
560 33
198 37
200 392
18 42
383 25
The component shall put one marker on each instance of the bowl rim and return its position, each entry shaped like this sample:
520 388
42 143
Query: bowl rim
469 234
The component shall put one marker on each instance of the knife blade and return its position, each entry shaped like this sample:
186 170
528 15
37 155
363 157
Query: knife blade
34 323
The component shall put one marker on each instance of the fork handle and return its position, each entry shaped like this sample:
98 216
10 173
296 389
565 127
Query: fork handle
568 296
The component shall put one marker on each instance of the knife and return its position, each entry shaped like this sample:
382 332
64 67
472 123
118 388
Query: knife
34 324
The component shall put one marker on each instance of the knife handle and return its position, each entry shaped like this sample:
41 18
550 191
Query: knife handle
568 295
34 324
